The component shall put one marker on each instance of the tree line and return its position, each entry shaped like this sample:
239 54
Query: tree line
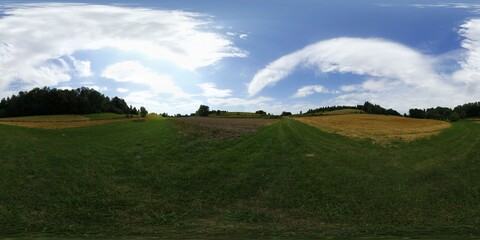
466 110
367 107
50 101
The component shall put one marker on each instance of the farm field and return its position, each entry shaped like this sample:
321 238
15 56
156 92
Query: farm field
46 118
337 112
64 121
208 128
378 128
284 179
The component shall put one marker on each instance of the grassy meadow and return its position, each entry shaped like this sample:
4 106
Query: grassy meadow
160 178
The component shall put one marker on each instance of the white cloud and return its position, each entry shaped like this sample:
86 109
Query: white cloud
232 102
98 88
470 65
34 37
369 57
150 99
94 87
231 34
122 90
82 68
211 90
65 88
134 72
348 88
470 6
392 75
243 36
309 90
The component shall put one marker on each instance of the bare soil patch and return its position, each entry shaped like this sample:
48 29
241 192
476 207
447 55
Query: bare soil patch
218 128
379 128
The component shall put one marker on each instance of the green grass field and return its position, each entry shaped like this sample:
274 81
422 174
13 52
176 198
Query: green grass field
288 180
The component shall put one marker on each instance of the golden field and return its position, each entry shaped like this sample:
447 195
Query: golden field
380 129
57 121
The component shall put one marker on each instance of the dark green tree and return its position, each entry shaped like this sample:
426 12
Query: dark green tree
203 111
45 101
454 117
143 112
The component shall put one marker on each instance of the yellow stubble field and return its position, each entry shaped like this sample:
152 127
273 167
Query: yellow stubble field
57 121
380 129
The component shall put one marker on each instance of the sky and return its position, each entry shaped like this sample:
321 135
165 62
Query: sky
273 55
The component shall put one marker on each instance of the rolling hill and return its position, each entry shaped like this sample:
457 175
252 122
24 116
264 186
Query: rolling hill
285 180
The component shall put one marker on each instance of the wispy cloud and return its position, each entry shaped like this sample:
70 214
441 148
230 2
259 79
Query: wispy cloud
393 75
210 90
309 90
34 38
470 65
369 57
234 102
475 7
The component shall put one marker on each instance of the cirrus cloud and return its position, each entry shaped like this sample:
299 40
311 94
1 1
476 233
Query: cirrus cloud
369 57
392 74
309 90
470 65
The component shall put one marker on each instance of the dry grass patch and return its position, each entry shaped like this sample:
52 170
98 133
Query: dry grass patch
56 121
381 129
343 111
46 118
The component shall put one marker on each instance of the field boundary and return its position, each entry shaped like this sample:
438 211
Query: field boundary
54 121
62 124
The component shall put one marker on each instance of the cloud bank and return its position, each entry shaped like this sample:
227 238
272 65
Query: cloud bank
37 41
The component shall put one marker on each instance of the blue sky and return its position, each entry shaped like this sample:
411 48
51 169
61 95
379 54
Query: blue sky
172 56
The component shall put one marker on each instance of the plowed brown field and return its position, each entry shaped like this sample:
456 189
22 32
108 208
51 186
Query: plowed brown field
218 128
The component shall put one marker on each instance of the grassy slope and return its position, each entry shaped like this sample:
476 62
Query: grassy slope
289 179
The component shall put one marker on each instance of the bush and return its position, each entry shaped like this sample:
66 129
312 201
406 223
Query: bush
454 117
